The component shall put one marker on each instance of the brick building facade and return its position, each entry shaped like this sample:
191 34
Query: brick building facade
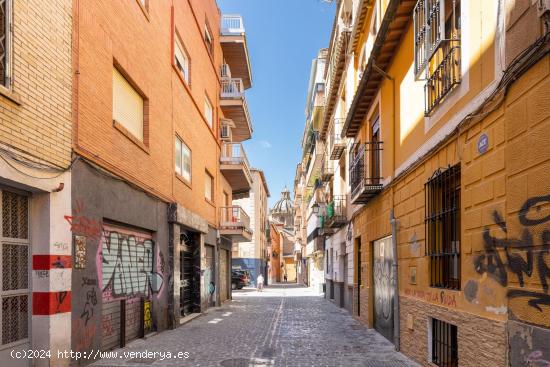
35 177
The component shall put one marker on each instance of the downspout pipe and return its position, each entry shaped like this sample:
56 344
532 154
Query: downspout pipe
396 317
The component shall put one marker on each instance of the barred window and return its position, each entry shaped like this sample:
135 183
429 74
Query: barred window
442 224
444 344
14 267
5 43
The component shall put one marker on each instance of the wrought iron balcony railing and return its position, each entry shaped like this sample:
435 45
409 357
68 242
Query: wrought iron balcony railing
234 217
337 145
444 78
337 211
365 172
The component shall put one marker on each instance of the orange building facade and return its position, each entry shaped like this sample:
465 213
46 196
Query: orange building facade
159 114
441 109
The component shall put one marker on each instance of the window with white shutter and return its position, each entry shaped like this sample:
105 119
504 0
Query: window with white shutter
127 105
208 112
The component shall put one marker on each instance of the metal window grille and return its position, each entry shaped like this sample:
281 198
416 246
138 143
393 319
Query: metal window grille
444 344
14 264
442 223
14 215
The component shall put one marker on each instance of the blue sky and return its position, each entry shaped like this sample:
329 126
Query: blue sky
283 38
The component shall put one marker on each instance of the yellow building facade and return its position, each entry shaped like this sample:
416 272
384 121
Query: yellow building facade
446 116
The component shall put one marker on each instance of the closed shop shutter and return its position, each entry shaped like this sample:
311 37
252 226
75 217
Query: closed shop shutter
128 280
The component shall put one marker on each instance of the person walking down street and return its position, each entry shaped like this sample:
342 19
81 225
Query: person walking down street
260 282
286 279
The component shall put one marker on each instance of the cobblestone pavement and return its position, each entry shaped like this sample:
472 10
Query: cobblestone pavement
285 325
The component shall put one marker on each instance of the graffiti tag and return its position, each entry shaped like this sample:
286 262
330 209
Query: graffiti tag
515 249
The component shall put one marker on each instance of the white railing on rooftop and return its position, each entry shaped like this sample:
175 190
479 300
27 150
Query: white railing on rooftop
232 24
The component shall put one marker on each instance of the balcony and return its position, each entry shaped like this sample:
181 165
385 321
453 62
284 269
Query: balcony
235 49
235 108
336 212
235 224
444 78
365 175
336 142
326 172
336 65
236 169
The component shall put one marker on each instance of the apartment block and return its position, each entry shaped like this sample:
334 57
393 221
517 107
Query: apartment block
159 114
252 255
434 119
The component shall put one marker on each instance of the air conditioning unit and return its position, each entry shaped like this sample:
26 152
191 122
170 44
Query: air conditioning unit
543 7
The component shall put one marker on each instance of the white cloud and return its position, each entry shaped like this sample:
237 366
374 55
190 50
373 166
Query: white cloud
265 144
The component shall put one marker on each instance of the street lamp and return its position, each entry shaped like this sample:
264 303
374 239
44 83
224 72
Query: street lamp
315 208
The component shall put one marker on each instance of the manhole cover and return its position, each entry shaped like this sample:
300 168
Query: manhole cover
268 353
244 362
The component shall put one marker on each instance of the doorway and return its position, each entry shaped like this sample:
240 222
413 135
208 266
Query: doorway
383 289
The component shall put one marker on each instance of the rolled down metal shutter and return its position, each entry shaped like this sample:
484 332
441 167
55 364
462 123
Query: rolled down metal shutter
127 284
110 325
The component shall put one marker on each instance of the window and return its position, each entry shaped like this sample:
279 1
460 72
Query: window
442 225
5 43
14 267
208 39
127 105
376 164
208 187
183 159
437 28
208 112
444 344
181 60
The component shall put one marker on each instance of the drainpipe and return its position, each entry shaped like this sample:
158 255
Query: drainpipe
396 318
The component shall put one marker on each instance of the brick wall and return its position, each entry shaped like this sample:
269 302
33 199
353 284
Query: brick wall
35 116
139 41
481 342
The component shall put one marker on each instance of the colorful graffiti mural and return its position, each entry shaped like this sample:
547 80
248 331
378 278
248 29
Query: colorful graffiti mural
126 263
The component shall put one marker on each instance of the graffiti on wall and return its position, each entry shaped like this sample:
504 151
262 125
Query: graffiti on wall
147 317
127 266
91 301
521 258
443 298
83 225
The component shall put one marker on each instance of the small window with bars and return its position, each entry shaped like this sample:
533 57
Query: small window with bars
442 223
14 267
444 344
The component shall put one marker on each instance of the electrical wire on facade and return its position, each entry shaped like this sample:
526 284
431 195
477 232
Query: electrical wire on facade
8 156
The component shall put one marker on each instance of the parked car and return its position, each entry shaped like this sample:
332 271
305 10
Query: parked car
240 279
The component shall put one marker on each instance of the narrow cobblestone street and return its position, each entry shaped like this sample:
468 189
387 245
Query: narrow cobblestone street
286 325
